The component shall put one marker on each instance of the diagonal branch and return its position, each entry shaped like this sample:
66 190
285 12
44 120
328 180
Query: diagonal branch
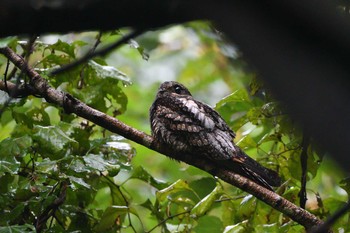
100 52
73 105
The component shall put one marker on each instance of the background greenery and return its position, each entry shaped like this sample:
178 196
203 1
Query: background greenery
113 184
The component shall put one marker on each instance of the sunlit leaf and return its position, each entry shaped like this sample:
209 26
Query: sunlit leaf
63 47
139 48
204 205
237 96
78 182
237 228
7 41
47 166
175 187
268 228
109 72
247 205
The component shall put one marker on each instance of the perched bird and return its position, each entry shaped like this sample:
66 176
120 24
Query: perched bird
190 127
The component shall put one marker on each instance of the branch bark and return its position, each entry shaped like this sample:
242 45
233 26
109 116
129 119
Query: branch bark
73 105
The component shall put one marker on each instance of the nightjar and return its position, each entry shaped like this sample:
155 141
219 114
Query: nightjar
189 127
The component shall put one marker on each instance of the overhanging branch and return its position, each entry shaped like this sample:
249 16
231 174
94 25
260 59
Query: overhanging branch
73 105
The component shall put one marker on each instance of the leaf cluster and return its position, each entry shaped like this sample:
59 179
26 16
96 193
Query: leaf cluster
62 173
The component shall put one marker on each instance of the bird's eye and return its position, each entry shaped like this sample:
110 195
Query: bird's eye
177 89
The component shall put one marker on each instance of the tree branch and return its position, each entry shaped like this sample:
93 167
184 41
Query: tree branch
73 105
100 52
303 161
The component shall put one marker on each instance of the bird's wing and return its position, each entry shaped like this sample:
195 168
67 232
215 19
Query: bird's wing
194 110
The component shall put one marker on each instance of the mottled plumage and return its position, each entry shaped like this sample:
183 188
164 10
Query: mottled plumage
188 126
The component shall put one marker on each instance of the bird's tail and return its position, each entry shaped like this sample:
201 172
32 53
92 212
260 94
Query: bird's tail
249 168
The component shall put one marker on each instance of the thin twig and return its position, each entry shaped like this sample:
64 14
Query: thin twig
124 198
27 51
100 52
332 219
166 219
5 75
92 50
303 160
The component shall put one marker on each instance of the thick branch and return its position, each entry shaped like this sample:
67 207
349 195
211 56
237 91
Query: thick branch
74 105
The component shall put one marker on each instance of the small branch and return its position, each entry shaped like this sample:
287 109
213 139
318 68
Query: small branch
303 161
332 219
166 219
17 91
124 198
51 209
73 105
100 52
92 50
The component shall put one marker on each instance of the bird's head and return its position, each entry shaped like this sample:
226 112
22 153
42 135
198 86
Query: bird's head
173 88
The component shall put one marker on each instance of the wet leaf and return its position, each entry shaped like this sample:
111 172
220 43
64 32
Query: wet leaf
109 72
52 140
204 205
18 228
78 182
110 218
177 186
142 174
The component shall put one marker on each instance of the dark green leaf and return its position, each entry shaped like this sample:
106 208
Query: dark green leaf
142 174
52 140
110 218
18 228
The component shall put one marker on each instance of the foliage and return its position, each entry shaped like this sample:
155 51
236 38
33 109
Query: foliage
83 178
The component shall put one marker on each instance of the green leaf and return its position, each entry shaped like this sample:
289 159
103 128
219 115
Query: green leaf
63 47
140 173
118 198
255 115
203 186
177 186
15 147
268 228
209 224
110 217
240 95
237 228
255 86
206 203
47 166
7 41
95 162
247 206
10 149
78 182
52 140
139 48
345 184
18 228
109 72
